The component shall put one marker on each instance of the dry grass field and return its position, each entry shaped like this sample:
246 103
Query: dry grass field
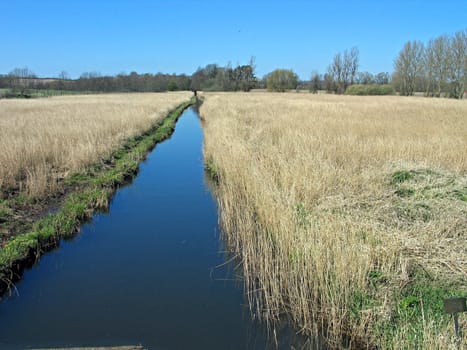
349 213
44 140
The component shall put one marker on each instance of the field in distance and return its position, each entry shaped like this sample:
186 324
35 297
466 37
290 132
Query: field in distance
44 140
349 213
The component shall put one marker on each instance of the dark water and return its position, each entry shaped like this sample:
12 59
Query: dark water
148 272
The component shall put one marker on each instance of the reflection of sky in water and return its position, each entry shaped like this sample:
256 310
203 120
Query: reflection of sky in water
145 273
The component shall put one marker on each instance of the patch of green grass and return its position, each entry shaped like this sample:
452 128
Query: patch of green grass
460 194
78 178
425 294
401 176
361 301
302 215
376 277
212 169
420 300
5 211
405 192
23 198
98 185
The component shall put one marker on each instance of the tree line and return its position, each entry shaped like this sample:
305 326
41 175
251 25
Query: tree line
22 80
217 78
436 68
212 77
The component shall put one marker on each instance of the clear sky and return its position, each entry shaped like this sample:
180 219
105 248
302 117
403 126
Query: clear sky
177 36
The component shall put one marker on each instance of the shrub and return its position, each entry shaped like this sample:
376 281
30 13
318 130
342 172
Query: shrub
370 89
282 80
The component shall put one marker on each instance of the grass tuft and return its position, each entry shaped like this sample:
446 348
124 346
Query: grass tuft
401 176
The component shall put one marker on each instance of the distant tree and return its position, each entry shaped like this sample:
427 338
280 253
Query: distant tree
437 69
244 78
382 78
343 69
365 78
62 81
21 79
90 75
336 73
94 81
134 82
436 65
205 78
329 82
224 79
63 75
4 81
458 64
172 86
216 78
282 80
351 62
315 82
409 67
251 76
197 80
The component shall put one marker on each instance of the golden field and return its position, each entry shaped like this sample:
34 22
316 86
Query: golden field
44 140
348 213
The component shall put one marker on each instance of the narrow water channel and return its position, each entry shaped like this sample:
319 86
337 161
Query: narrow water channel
150 271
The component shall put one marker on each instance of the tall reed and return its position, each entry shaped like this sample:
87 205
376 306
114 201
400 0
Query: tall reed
334 204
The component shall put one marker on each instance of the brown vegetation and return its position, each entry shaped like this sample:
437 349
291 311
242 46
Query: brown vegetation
348 213
44 140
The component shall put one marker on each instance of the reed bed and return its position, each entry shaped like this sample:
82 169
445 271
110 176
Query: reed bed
348 213
44 140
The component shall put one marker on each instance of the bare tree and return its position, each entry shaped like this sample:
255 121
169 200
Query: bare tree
382 78
315 82
343 69
458 64
437 65
336 71
409 67
252 64
62 78
22 80
351 65
365 78
329 82
63 75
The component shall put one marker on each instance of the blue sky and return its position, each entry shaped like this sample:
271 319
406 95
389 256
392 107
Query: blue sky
179 36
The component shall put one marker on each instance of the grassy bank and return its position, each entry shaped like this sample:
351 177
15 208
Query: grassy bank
347 213
88 190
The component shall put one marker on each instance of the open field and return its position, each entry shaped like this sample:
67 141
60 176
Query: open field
44 140
349 213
